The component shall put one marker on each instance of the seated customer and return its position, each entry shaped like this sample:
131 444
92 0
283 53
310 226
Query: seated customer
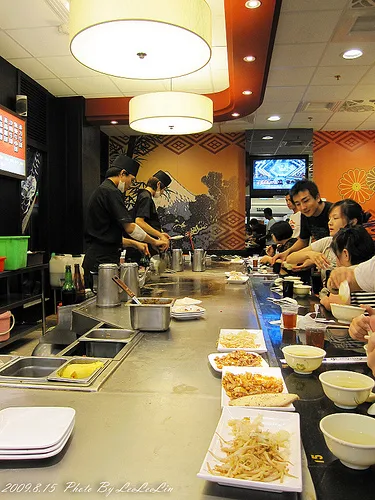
351 246
281 233
319 253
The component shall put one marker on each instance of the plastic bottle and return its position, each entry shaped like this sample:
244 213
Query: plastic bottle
78 284
68 292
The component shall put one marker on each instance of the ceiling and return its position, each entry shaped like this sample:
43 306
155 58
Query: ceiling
309 84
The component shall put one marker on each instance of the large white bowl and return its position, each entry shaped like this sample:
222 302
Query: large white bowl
345 388
303 358
344 313
301 290
344 434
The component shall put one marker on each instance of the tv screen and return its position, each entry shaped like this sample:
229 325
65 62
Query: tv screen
277 174
12 144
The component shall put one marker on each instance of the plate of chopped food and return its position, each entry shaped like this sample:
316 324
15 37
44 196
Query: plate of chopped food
274 462
235 358
239 280
255 387
234 273
231 339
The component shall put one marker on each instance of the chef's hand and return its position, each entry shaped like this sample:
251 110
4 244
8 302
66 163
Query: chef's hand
142 247
165 238
360 326
160 245
339 275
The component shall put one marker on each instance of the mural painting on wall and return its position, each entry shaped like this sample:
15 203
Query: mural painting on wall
355 177
29 186
212 219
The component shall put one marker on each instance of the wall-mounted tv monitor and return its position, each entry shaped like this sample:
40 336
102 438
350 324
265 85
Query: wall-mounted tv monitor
275 175
12 144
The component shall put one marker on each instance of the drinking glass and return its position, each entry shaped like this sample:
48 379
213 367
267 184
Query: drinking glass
289 313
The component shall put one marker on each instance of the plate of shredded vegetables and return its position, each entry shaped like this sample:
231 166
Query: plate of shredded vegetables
256 449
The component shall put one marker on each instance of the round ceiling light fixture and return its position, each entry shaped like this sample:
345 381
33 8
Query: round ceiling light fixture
235 115
253 4
352 54
247 92
170 113
249 58
274 118
114 122
267 137
142 40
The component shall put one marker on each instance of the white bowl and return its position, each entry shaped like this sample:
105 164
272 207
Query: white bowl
344 434
344 313
293 278
301 289
345 388
303 359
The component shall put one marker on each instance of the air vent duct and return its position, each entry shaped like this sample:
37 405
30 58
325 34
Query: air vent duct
37 109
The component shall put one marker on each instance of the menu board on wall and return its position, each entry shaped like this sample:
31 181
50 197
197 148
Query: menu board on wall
12 144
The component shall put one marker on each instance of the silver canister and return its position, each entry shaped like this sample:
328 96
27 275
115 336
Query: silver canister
129 275
177 260
199 260
108 291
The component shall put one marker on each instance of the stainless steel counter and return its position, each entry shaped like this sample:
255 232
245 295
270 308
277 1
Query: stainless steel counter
153 419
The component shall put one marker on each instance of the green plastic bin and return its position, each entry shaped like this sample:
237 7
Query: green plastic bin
14 248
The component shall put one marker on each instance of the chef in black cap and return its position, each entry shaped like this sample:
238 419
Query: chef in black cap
107 219
144 211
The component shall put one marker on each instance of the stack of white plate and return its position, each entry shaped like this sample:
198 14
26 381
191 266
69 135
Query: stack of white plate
28 433
187 312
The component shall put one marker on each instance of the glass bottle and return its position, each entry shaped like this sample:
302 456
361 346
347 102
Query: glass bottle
78 284
68 292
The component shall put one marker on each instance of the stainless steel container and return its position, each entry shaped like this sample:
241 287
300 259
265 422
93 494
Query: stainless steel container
177 260
109 335
154 315
129 275
31 367
57 375
108 292
199 260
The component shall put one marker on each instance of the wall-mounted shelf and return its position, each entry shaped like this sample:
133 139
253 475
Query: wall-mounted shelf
24 288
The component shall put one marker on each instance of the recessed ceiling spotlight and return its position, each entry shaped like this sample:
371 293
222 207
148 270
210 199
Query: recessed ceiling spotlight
253 4
352 54
247 92
249 58
274 118
267 137
114 122
236 115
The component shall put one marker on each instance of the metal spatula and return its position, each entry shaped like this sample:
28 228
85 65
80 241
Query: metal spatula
125 287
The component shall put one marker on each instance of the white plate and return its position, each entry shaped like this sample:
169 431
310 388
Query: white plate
187 301
234 273
259 339
36 451
33 427
38 456
191 309
211 359
273 421
267 372
237 281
